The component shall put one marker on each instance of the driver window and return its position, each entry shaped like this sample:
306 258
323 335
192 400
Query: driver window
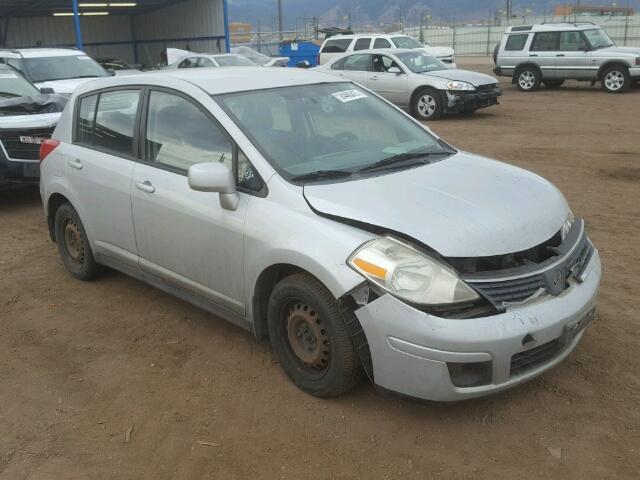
204 62
572 42
188 63
382 63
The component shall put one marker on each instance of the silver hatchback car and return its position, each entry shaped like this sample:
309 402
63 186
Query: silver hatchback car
312 212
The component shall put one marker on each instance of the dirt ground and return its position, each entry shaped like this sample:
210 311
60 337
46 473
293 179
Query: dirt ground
113 379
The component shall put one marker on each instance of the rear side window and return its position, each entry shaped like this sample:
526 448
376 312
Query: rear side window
546 42
336 45
112 125
362 44
189 63
358 63
516 43
381 43
338 65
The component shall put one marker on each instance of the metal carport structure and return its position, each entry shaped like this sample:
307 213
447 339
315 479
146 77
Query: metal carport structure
137 31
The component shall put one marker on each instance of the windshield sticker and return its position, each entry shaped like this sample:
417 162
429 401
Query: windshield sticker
349 95
8 75
83 57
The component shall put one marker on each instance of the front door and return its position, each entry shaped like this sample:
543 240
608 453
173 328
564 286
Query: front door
573 58
183 236
392 86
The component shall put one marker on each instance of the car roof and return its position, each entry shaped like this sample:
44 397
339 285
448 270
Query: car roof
552 27
368 35
220 80
42 52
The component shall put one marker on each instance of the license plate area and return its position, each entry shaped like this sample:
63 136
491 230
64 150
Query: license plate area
573 329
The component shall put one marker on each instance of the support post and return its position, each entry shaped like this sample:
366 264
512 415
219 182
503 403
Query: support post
76 22
280 22
227 35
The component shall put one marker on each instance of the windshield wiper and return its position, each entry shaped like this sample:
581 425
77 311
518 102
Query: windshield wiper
9 94
321 174
403 160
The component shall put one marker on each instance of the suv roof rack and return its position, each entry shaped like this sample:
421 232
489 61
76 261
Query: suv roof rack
521 28
575 24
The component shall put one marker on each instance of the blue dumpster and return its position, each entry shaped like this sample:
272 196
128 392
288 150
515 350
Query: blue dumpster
299 51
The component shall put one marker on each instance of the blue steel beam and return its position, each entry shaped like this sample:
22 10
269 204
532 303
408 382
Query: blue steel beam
76 22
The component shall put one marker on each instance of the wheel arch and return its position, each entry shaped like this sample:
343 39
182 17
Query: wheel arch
55 201
421 89
516 71
612 63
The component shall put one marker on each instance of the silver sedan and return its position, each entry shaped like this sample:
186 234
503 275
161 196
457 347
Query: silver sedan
417 81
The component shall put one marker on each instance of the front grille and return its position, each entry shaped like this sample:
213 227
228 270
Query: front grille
525 361
511 291
486 88
19 150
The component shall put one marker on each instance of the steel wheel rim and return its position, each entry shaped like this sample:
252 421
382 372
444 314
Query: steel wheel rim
426 105
614 80
526 79
73 241
307 336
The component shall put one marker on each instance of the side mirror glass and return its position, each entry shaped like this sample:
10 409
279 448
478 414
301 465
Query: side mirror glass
395 70
47 91
214 177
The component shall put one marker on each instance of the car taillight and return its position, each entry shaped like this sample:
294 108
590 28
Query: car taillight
46 147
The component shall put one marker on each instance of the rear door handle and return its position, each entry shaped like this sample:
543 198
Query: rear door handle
533 54
146 186
77 164
560 55
375 77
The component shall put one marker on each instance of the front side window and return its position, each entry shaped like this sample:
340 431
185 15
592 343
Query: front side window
406 42
420 62
546 42
381 43
190 62
115 121
179 134
333 126
204 62
516 43
598 38
43 69
362 44
382 63
358 63
572 42
336 45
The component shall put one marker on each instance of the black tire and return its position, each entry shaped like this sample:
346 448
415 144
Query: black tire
73 244
302 308
553 83
616 79
528 79
427 104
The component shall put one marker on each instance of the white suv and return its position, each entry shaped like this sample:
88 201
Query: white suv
340 44
62 69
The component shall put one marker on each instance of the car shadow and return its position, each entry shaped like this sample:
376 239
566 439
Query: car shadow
18 196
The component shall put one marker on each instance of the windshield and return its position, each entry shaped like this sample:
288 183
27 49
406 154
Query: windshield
43 69
406 42
598 38
419 62
13 85
333 127
234 61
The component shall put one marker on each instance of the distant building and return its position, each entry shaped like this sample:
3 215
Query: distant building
602 11
240 32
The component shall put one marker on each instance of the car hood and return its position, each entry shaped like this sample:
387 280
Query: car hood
474 78
440 52
64 87
607 52
462 206
41 120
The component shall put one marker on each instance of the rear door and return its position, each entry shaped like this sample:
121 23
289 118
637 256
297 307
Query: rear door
99 169
574 59
354 67
544 52
392 86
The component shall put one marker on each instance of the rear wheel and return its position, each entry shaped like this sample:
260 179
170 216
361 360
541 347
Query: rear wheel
528 79
309 337
428 104
73 244
553 83
616 80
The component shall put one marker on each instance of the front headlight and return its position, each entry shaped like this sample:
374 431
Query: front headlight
460 86
409 274
566 226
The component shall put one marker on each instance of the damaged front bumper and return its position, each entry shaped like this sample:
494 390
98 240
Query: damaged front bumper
423 356
457 102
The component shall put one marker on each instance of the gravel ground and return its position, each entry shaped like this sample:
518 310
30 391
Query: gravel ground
113 379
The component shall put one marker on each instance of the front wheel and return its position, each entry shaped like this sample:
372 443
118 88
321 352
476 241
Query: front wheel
528 79
309 337
553 83
428 104
616 80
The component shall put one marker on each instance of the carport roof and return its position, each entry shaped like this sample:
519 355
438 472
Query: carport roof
28 8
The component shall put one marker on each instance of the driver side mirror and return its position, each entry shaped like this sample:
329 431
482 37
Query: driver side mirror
215 177
395 70
47 91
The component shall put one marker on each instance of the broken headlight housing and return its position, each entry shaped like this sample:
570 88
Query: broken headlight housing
566 226
409 274
460 86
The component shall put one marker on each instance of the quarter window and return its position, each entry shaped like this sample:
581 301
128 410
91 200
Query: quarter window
180 135
86 117
336 45
362 44
516 43
358 63
381 43
546 42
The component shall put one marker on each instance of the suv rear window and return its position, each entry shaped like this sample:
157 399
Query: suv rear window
515 43
336 46
546 42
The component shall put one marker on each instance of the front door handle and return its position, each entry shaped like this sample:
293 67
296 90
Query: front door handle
533 54
375 77
146 186
560 55
77 164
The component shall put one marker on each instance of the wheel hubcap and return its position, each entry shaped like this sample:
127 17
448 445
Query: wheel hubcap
73 241
527 80
614 80
426 105
308 337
